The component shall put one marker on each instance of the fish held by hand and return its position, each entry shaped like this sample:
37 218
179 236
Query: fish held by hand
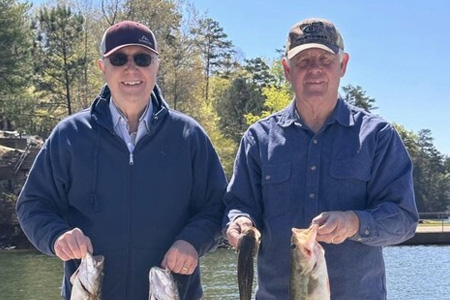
162 285
309 275
247 249
88 278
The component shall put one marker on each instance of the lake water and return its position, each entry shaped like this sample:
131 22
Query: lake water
413 273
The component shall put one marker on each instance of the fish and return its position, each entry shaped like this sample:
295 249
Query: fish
308 270
247 249
162 285
87 280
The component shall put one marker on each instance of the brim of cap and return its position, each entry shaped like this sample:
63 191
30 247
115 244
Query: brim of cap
293 52
126 45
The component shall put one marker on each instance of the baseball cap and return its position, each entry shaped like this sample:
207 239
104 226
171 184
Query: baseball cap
313 33
127 33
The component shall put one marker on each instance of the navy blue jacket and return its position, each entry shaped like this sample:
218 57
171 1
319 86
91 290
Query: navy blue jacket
133 213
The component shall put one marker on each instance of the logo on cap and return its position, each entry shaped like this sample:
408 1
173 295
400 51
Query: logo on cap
145 40
312 28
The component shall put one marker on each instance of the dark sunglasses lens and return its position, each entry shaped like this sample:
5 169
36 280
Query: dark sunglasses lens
118 59
143 60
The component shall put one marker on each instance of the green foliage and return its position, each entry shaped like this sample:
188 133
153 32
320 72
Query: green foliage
431 177
15 62
357 97
59 35
241 98
278 94
431 173
215 50
258 70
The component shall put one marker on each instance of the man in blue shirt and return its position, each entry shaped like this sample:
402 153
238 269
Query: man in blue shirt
322 160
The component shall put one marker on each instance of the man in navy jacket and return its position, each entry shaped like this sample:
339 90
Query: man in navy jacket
129 179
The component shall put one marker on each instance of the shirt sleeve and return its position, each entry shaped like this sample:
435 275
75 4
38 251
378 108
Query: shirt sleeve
392 216
243 196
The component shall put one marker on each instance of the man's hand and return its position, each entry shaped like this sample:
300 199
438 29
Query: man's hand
72 244
181 258
336 226
235 229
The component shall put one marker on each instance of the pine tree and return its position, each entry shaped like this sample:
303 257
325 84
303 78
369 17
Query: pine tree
59 42
216 51
357 97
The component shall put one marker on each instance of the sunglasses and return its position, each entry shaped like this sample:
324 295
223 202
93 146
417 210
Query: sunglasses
140 59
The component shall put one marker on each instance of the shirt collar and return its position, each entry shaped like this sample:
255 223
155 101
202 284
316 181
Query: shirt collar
343 114
117 114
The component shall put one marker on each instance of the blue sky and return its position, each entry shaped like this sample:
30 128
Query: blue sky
399 50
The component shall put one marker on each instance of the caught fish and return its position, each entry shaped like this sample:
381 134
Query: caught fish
309 275
247 248
162 285
88 278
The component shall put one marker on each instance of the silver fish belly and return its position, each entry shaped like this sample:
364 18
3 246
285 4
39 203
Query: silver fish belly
309 275
88 278
162 285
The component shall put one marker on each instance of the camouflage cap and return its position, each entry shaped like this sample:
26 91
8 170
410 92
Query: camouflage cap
313 33
127 33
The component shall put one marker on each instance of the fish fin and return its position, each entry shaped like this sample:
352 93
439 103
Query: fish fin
74 276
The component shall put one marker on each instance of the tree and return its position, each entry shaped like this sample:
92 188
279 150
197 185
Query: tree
431 178
15 62
357 97
241 98
258 70
59 38
216 51
277 93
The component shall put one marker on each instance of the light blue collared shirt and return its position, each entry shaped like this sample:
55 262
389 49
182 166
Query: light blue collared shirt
122 128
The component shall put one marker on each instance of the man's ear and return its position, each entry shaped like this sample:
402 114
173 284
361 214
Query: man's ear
286 69
100 65
344 64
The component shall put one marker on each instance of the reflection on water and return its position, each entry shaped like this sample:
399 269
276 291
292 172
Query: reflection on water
413 273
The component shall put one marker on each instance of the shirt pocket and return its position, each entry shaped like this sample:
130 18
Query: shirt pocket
357 168
347 185
276 189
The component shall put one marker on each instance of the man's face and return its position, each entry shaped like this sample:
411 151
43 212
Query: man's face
130 84
315 74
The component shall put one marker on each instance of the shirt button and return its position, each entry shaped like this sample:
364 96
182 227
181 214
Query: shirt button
367 231
313 168
359 239
312 195
267 177
315 141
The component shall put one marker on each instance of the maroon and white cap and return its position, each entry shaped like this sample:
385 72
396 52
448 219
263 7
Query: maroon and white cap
127 33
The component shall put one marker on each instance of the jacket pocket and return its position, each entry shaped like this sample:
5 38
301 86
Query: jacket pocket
276 189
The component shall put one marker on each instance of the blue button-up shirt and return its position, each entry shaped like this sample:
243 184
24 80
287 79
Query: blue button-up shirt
285 175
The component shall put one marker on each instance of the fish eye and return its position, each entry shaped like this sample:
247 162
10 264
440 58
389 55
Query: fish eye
293 246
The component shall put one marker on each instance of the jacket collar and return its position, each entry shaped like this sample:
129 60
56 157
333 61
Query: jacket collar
101 113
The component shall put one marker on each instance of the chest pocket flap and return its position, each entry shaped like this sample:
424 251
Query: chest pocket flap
272 174
357 167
